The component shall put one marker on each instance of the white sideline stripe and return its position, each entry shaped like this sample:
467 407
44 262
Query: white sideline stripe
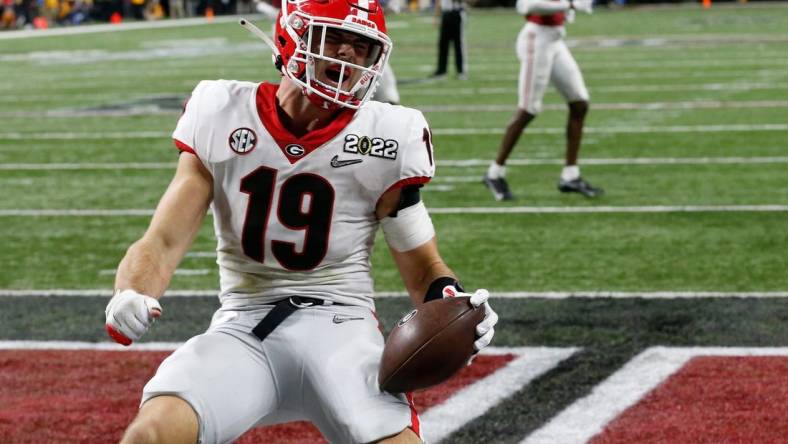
701 104
436 131
178 272
89 166
449 210
77 345
610 209
93 292
476 92
619 161
474 400
706 104
619 129
129 26
457 163
588 416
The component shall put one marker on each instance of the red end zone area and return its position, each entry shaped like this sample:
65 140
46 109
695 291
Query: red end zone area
711 399
91 395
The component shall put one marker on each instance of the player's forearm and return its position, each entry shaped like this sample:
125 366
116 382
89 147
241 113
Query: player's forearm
146 268
421 280
542 7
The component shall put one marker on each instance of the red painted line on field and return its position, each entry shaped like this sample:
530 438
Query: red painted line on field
710 400
89 396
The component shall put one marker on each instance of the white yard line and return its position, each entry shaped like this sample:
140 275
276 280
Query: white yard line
733 160
88 166
610 209
620 129
97 135
128 26
588 416
93 292
699 104
447 210
480 92
478 108
178 272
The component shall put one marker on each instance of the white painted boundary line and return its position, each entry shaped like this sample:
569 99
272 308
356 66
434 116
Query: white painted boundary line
76 345
731 86
105 292
473 401
610 209
450 210
619 129
588 416
130 26
700 104
707 104
114 166
436 131
619 161
90 166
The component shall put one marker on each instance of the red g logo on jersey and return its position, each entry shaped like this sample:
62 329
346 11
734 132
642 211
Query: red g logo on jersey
243 140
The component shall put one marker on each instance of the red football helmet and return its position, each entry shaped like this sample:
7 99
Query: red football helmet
304 28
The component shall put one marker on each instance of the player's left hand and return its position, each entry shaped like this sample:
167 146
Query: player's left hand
486 328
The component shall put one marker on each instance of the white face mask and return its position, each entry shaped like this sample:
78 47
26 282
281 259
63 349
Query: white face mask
336 61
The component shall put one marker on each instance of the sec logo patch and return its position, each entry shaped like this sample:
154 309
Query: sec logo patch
243 140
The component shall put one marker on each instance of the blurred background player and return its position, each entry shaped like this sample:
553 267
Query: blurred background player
387 90
545 58
452 16
299 184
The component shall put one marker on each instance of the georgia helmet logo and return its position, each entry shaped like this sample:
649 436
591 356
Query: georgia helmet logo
295 150
407 317
243 140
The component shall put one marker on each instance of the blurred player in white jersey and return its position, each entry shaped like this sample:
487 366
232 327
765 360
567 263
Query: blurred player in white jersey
545 58
299 177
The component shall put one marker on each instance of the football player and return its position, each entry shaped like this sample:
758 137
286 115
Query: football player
545 58
299 176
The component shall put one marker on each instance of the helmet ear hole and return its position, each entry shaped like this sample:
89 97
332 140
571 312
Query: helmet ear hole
282 41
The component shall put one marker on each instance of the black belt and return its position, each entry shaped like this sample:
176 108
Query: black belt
281 311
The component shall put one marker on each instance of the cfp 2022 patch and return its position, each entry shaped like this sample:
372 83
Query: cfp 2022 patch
372 146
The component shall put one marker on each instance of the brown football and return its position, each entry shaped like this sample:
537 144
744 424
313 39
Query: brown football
429 344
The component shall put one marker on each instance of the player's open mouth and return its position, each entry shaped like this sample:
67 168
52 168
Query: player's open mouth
333 72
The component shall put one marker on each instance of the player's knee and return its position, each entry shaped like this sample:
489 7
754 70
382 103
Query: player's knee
578 110
163 419
406 436
141 432
522 118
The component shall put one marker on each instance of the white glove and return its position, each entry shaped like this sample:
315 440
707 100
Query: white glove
486 328
586 6
129 315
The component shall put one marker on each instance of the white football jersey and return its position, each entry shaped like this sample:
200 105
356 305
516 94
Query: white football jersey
296 215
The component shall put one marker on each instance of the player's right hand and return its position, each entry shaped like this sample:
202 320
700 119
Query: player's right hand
586 6
129 315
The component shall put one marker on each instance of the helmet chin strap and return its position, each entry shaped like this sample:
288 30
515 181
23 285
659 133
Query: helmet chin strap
260 34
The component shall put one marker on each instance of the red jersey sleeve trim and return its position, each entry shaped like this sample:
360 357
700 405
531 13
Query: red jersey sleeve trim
403 183
408 181
183 147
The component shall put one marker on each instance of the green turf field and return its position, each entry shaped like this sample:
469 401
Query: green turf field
688 134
